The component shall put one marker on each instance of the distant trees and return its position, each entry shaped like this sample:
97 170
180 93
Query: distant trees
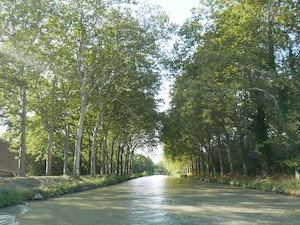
143 164
235 104
78 81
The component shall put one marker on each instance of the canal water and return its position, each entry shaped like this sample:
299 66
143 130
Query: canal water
159 200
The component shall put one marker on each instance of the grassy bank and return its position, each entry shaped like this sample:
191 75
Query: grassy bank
278 184
15 190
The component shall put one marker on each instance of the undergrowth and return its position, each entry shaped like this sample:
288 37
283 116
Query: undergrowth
27 189
288 186
10 197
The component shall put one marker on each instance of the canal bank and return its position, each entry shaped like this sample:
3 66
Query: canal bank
15 190
279 184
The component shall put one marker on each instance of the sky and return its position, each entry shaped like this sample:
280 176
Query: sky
179 11
2 129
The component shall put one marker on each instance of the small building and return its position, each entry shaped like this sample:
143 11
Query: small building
8 161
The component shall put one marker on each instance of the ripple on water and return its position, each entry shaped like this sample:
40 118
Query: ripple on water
8 220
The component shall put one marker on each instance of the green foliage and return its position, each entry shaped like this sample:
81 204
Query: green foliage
292 187
174 167
235 92
80 65
143 164
9 197
293 163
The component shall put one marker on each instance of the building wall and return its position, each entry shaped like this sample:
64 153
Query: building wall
8 162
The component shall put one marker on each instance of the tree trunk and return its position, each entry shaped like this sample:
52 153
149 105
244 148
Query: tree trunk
112 156
84 80
260 129
66 151
230 154
199 163
126 163
211 157
130 163
104 150
50 131
77 154
22 151
121 161
118 160
297 175
49 152
242 150
203 171
94 145
221 159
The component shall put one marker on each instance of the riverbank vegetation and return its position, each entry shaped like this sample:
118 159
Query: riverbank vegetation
279 184
235 102
15 190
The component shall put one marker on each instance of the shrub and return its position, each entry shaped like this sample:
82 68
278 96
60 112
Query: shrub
292 187
9 197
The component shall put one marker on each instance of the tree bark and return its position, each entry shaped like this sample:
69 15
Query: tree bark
112 156
22 151
297 175
202 162
50 131
104 150
95 146
49 153
199 163
211 157
121 161
66 150
77 154
221 159
242 151
126 163
230 154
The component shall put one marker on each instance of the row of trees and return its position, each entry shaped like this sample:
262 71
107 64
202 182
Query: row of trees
78 81
235 105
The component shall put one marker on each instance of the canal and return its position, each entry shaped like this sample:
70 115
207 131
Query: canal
159 200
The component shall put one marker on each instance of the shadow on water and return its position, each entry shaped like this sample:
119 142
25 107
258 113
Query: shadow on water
160 200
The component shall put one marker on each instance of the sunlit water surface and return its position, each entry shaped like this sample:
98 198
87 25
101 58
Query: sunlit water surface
159 200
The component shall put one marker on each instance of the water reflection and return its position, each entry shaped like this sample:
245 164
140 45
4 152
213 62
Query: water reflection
159 200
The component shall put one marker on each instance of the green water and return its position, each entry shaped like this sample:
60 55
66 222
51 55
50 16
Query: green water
159 200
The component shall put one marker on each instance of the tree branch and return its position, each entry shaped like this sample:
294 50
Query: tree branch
266 92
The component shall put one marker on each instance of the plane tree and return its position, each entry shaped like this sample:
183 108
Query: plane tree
236 87
77 61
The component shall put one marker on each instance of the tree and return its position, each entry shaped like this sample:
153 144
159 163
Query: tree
143 164
18 66
234 89
71 61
